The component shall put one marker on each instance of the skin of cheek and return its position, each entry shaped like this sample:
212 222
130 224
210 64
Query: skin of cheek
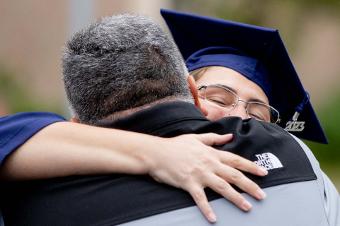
214 112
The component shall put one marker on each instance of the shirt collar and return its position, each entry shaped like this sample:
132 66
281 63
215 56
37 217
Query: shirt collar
157 117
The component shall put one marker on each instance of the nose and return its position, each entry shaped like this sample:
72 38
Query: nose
239 111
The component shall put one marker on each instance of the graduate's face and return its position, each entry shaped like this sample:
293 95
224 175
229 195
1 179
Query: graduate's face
245 89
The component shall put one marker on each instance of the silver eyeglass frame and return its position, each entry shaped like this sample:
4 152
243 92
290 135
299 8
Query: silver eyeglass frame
238 99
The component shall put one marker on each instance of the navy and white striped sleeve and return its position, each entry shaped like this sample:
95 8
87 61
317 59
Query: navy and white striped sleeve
18 128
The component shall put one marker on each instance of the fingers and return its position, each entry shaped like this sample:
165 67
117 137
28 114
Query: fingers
237 178
202 203
227 191
219 183
229 158
203 166
214 139
241 163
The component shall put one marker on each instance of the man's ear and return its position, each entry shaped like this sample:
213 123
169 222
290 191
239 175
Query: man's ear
75 119
193 89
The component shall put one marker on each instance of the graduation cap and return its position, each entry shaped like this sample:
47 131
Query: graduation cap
257 53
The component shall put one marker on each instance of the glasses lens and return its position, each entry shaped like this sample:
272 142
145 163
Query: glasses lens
263 112
220 96
227 99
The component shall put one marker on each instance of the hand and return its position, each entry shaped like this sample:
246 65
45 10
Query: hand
188 162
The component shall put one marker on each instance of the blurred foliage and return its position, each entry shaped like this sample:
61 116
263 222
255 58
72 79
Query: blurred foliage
18 97
330 120
318 3
284 15
329 154
249 9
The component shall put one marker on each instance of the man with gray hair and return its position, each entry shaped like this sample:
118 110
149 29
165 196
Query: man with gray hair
120 65
125 73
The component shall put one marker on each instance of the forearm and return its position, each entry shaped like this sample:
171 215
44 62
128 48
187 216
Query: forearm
186 161
65 148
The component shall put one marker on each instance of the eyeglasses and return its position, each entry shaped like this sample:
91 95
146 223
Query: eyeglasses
228 99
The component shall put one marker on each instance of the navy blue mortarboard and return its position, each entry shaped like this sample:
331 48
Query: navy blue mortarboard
257 53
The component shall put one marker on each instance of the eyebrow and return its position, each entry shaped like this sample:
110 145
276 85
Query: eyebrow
250 100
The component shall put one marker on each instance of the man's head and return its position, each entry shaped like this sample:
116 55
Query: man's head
120 63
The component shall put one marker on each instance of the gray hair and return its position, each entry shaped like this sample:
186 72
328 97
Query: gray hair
119 63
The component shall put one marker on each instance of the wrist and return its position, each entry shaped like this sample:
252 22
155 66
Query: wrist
149 154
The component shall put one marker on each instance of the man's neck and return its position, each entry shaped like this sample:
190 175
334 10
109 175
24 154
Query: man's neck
158 117
126 113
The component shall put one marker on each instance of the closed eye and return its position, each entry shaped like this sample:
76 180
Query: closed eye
217 101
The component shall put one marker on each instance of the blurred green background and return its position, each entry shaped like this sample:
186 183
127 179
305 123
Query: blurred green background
34 31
